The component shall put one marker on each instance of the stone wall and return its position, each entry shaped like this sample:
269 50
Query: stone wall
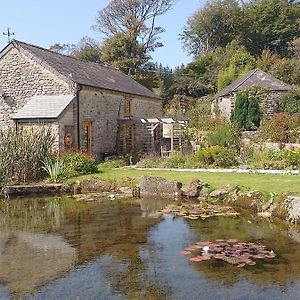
226 104
21 78
104 108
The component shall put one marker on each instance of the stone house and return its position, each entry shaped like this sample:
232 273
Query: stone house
224 101
90 106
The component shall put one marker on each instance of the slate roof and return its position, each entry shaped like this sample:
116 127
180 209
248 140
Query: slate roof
255 77
44 107
88 73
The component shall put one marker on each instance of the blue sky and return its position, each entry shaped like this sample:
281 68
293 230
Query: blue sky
45 23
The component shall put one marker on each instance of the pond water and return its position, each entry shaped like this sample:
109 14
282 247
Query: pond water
66 249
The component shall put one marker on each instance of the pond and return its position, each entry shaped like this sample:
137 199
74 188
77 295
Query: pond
103 249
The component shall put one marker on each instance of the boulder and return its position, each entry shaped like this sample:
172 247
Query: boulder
125 190
152 186
220 194
95 186
288 208
204 193
253 200
193 189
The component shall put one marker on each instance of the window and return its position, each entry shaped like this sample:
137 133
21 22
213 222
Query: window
127 107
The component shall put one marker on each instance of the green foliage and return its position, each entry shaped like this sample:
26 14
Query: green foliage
240 112
77 163
54 168
247 113
282 127
224 135
207 155
273 23
254 114
22 153
290 101
114 162
226 158
240 62
276 160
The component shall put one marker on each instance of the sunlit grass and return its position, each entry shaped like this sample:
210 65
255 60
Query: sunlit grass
266 183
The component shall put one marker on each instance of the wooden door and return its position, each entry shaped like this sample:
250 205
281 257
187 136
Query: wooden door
86 137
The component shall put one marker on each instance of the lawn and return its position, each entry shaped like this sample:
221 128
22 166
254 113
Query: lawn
265 183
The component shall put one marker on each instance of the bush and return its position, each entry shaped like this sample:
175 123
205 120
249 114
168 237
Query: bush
290 101
207 155
177 160
226 158
114 162
293 158
224 135
283 127
78 163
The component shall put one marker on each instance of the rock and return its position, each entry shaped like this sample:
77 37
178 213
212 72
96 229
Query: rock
253 200
204 193
151 186
265 214
125 190
219 194
95 186
193 189
288 208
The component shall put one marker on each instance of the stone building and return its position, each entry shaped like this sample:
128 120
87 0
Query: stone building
90 107
224 101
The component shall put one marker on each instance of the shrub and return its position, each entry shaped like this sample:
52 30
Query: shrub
246 114
54 168
207 155
224 135
114 162
177 160
283 127
226 158
290 101
293 158
240 112
78 163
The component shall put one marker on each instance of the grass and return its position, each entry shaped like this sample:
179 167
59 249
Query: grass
266 183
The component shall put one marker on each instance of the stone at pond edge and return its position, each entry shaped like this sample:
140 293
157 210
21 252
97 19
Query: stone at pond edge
288 208
95 186
152 186
220 194
253 200
193 189
126 190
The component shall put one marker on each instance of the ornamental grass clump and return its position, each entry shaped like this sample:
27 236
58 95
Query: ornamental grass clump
22 153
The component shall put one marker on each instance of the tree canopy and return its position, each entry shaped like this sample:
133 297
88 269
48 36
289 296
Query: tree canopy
273 23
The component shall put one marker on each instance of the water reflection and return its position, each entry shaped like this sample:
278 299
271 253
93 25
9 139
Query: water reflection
119 250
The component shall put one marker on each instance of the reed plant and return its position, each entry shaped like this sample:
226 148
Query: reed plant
22 153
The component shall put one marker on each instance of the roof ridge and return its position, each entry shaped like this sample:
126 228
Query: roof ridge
252 72
64 55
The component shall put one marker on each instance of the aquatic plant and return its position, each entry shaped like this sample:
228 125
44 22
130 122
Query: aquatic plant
54 168
231 251
197 211
22 152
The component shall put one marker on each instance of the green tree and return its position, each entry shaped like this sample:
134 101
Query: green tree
274 24
254 114
133 23
215 25
240 62
290 101
240 112
256 24
246 114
